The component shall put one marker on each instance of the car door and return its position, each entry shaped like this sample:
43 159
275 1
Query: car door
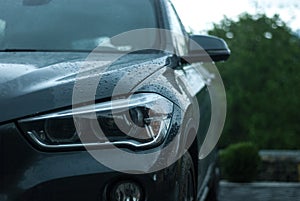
195 78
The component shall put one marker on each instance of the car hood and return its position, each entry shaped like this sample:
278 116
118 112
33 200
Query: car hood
36 82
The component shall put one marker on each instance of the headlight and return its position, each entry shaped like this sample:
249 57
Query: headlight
140 120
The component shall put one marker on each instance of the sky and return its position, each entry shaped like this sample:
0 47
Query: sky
199 15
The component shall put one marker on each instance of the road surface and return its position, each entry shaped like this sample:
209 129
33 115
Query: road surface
259 191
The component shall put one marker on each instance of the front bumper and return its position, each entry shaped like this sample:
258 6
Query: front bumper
29 174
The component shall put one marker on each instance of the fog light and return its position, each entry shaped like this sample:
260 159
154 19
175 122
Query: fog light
126 191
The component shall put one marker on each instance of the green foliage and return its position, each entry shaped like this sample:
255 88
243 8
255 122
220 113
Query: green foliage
262 81
240 162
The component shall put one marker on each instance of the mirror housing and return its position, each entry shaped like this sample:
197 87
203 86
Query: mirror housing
207 48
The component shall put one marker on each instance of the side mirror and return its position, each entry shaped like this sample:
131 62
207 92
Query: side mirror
207 48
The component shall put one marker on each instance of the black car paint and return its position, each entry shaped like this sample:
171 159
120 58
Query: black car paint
29 174
29 171
35 82
24 171
41 82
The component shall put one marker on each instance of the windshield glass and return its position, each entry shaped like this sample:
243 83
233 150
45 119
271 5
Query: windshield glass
73 24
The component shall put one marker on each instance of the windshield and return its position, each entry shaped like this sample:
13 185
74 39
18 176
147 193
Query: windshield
73 24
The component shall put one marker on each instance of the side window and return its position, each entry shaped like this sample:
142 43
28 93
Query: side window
175 23
180 36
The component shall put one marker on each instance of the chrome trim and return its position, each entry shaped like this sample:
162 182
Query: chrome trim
204 194
204 189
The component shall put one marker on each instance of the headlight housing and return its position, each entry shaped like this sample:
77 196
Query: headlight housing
138 121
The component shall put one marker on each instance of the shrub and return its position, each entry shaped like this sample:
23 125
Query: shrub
240 162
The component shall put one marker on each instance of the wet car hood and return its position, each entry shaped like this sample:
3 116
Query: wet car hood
36 82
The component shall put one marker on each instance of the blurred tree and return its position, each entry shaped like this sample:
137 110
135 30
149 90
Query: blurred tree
262 81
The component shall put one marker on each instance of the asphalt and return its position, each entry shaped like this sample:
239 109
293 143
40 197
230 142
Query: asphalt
259 191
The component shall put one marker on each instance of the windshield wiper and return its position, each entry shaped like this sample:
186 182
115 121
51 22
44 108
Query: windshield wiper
18 50
99 49
41 50
102 49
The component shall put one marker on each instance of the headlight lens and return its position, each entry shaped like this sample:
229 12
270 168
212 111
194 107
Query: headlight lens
138 121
